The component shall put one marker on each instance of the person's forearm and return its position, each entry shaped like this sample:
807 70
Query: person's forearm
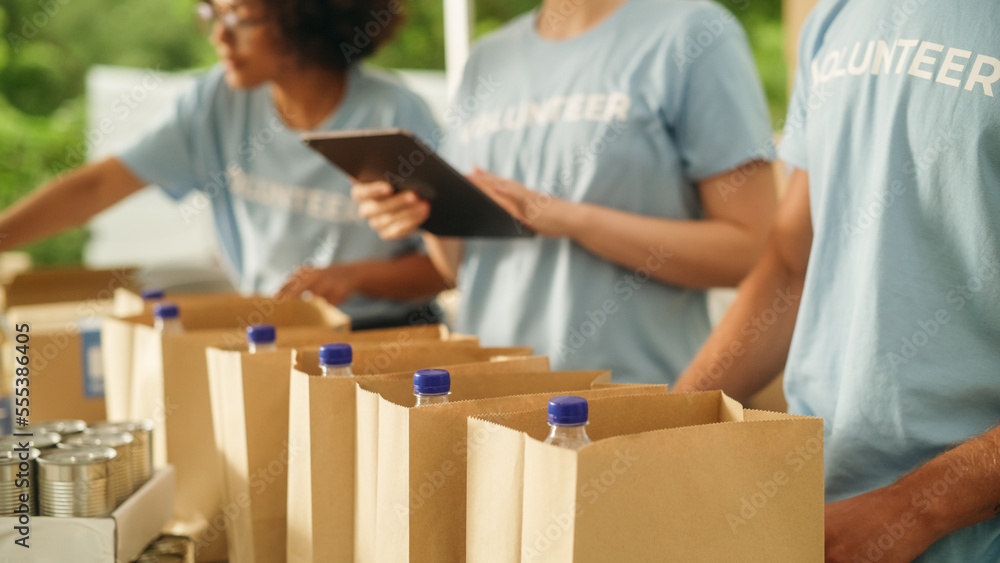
958 488
411 276
703 253
65 202
446 255
749 347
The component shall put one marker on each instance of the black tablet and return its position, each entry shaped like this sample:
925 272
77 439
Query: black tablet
458 207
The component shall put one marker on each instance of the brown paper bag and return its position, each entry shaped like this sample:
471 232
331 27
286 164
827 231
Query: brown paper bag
250 410
250 413
169 385
367 424
422 453
310 339
691 477
321 480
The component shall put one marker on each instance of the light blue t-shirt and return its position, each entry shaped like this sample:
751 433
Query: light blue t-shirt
277 204
896 118
629 115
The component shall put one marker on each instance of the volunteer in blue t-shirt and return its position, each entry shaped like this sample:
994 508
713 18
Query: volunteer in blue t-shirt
890 233
633 137
283 215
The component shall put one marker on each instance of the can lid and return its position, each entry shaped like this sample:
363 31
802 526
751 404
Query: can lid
335 354
431 382
165 310
69 426
120 426
77 456
260 334
567 410
110 439
151 293
11 457
40 440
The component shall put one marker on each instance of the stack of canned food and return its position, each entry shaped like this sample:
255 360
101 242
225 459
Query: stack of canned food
74 470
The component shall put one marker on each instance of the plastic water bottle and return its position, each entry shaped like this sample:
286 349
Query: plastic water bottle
568 417
335 360
431 386
152 294
260 338
166 318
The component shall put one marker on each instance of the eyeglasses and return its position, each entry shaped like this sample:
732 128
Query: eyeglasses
209 13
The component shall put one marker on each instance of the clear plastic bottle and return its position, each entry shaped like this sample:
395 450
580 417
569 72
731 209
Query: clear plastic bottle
152 294
260 338
335 360
568 417
431 386
166 318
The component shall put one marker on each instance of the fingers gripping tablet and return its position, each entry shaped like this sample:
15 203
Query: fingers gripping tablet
396 156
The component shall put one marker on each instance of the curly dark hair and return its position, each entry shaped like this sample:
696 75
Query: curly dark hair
335 34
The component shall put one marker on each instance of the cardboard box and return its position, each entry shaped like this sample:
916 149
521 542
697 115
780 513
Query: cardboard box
13 263
67 368
119 538
322 433
128 301
685 477
59 285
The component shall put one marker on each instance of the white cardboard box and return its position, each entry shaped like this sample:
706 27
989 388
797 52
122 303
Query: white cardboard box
119 538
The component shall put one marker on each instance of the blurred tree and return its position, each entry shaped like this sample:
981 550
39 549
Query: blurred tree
49 45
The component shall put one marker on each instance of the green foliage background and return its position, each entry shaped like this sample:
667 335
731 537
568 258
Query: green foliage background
48 45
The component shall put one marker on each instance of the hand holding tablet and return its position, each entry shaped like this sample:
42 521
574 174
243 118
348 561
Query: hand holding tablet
457 207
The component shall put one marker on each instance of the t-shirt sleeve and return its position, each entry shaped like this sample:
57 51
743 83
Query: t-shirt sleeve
722 120
167 155
793 137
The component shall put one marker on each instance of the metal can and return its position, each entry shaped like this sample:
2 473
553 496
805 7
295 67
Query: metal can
142 446
121 466
160 558
39 441
74 482
170 548
61 427
18 468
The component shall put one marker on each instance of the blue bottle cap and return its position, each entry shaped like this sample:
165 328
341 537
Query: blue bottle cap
151 293
335 354
567 410
260 334
165 310
431 382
